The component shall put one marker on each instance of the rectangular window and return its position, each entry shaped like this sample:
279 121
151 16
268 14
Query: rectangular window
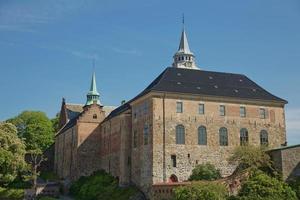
262 113
173 158
222 110
243 111
179 107
134 139
201 109
146 134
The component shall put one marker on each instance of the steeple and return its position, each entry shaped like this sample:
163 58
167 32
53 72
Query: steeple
93 94
184 58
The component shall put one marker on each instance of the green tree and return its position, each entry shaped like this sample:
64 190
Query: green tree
263 187
55 123
295 185
12 152
201 191
36 129
251 158
205 172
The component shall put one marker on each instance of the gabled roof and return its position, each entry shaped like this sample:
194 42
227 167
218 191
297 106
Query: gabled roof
206 83
74 111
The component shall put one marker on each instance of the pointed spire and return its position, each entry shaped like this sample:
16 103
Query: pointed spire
93 94
184 44
184 58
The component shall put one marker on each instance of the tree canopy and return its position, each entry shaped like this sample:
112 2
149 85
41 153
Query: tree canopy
263 187
250 158
12 153
205 172
36 129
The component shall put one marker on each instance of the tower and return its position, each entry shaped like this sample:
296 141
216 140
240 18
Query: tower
93 94
184 58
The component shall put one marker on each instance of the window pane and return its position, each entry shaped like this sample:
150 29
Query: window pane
262 113
202 136
223 136
242 111
179 107
201 109
243 137
264 138
222 110
173 158
180 134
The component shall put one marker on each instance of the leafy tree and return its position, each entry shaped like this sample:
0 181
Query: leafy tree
55 123
205 172
251 158
201 191
263 187
295 185
36 128
12 152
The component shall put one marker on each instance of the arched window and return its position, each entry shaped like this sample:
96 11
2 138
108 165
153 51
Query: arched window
94 116
244 136
202 136
264 138
180 134
223 134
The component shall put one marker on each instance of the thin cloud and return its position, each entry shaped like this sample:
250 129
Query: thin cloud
24 16
126 51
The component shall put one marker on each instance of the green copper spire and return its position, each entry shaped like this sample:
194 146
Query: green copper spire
93 94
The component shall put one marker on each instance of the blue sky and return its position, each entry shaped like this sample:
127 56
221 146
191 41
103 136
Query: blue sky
47 48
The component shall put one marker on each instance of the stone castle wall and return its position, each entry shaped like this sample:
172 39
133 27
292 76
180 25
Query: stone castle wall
190 154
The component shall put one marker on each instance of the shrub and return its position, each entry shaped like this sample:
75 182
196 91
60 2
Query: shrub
100 186
201 191
295 185
11 194
205 172
263 187
251 158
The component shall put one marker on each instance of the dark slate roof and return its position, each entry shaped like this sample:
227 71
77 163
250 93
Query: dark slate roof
207 83
210 83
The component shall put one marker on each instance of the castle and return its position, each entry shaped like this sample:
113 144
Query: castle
186 116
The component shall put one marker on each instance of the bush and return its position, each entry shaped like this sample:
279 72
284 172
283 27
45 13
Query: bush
263 187
201 191
251 158
295 185
11 194
205 172
100 186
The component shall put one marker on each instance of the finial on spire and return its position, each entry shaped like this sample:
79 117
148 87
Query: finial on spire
184 58
93 94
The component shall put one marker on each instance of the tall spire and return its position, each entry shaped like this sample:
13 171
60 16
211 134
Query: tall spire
93 94
184 58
